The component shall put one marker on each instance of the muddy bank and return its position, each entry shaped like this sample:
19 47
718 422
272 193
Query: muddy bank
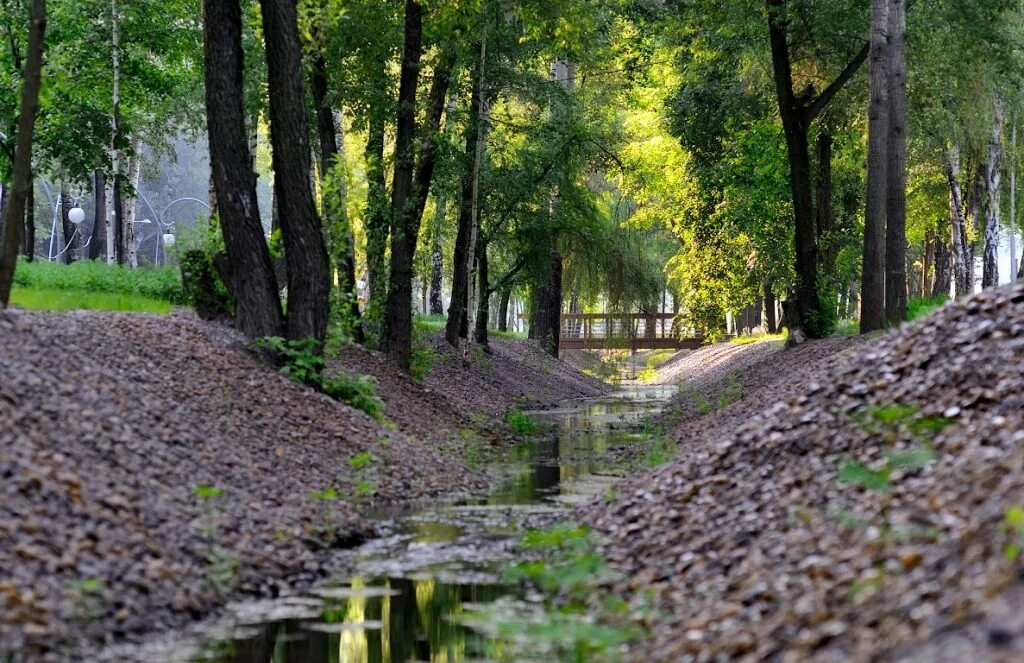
152 468
864 510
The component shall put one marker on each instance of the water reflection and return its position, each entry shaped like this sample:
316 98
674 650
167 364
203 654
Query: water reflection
440 561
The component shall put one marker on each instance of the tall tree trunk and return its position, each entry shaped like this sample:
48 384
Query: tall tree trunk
993 175
1013 202
896 170
398 321
957 223
29 242
455 327
377 222
98 239
506 295
770 321
437 256
333 194
131 204
257 305
484 289
943 268
68 235
927 261
117 223
824 214
304 250
21 167
872 313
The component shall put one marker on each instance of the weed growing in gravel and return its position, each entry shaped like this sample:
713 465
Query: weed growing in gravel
364 473
661 449
1013 526
87 600
299 358
521 423
222 565
423 356
732 392
359 391
326 529
481 359
579 618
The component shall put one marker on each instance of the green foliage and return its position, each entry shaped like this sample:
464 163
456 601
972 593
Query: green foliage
423 354
207 492
521 423
359 391
69 300
153 283
299 358
1013 526
204 288
919 307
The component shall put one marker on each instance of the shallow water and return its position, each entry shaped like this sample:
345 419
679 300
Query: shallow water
434 564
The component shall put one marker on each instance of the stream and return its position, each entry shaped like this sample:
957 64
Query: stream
410 588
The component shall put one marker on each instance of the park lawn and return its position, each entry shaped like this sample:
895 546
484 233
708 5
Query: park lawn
51 299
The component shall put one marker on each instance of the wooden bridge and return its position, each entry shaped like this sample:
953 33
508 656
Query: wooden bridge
637 331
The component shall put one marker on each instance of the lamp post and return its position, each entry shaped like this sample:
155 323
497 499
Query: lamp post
76 215
164 229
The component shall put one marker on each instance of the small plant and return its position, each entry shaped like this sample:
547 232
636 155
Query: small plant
359 391
300 359
732 392
423 356
222 565
521 423
1013 526
326 531
363 472
87 602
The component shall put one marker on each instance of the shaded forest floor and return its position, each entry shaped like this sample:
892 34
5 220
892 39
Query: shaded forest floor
153 468
843 500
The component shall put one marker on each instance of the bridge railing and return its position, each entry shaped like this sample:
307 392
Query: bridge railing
637 330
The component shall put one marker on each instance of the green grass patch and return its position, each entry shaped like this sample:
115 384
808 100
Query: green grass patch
431 323
918 307
49 299
757 338
507 334
161 283
521 423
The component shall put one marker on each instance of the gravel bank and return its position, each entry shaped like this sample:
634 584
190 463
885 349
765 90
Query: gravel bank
753 548
110 422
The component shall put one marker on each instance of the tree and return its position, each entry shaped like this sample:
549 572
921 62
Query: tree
21 175
993 174
896 168
304 250
250 276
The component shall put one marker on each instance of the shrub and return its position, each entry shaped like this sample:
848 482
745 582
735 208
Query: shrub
203 287
521 423
359 391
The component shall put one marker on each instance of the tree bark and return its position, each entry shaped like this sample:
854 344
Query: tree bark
377 223
131 204
333 193
66 245
98 239
437 256
770 322
872 314
29 242
503 301
993 176
824 214
943 268
957 223
21 167
896 169
484 289
398 321
257 305
117 224
304 250
456 327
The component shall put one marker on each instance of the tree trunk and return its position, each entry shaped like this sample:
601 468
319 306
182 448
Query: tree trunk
896 170
68 236
943 268
377 223
304 250
484 289
131 204
824 214
549 304
21 167
257 305
333 194
957 223
872 313
117 224
506 295
993 176
770 322
927 261
437 256
98 239
398 321
29 242
454 329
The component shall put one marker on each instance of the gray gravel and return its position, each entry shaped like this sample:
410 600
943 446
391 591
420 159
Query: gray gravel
749 547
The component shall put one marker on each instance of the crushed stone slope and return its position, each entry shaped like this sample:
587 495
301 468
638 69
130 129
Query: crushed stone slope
754 548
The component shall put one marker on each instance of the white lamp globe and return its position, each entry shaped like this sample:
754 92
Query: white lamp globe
76 215
168 239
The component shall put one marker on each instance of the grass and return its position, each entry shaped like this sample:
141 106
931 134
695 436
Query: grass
154 283
431 323
918 307
50 299
757 338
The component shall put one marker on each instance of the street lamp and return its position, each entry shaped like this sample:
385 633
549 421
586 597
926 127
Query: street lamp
76 215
